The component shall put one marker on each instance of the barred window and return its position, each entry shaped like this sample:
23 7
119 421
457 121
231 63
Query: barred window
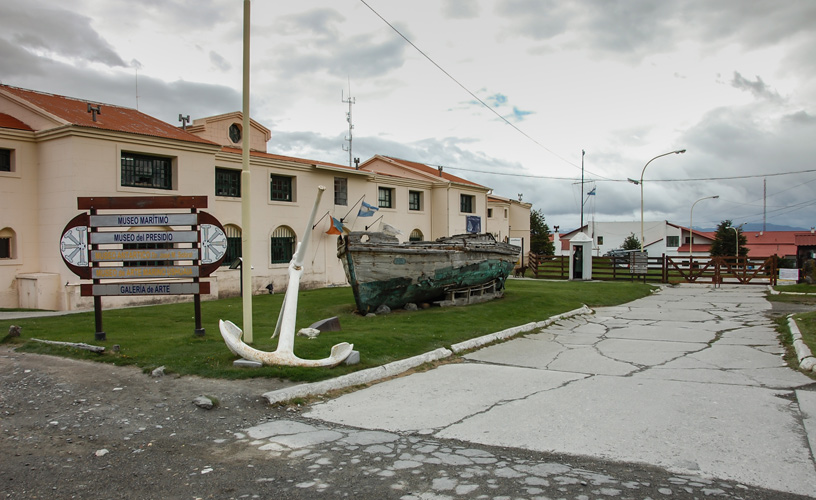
5 247
228 182
6 243
385 197
340 191
466 203
280 188
147 246
414 200
416 235
282 245
5 160
147 171
233 244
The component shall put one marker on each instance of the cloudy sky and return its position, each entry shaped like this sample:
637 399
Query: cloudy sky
507 93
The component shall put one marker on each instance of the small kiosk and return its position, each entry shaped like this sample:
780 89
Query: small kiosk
580 266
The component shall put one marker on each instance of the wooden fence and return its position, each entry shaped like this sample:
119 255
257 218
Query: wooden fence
664 269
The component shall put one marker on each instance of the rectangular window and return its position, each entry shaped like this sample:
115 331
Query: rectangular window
5 160
600 240
340 191
228 182
466 203
672 241
385 198
489 213
147 246
147 171
280 188
283 248
5 248
414 200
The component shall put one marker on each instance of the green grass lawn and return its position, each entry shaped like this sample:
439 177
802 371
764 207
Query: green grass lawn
162 335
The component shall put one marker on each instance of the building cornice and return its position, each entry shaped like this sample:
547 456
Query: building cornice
123 137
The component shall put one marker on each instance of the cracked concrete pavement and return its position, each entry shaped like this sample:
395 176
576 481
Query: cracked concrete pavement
690 379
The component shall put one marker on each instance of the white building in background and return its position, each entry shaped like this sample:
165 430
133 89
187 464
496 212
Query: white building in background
54 149
661 237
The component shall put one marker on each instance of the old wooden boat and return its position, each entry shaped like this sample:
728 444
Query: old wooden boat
457 269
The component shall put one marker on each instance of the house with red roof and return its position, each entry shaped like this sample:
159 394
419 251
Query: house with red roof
54 149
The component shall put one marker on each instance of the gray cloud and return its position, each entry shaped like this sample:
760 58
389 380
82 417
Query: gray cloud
57 31
219 62
460 9
758 87
361 56
634 29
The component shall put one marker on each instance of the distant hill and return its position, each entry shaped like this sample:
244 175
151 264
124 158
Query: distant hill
757 226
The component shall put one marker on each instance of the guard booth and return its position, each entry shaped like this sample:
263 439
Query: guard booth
580 266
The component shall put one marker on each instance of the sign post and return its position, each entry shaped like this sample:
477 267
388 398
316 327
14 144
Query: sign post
106 250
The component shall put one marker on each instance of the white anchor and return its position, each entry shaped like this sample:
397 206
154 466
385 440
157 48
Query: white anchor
284 354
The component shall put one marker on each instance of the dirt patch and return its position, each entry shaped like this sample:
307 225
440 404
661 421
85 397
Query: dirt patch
72 428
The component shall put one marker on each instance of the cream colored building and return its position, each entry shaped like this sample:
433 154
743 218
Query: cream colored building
54 149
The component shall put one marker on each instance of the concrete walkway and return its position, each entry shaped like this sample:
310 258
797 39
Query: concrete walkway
690 379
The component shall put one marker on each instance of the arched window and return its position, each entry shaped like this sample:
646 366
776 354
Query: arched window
233 233
416 235
282 245
7 244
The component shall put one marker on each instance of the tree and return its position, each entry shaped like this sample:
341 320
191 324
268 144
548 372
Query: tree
540 243
631 242
725 241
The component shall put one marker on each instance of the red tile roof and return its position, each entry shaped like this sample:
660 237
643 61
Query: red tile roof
432 171
261 154
765 244
7 121
805 239
110 117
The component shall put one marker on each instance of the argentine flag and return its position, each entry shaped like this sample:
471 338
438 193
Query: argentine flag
366 210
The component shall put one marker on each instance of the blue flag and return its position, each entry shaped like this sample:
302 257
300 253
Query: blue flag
367 210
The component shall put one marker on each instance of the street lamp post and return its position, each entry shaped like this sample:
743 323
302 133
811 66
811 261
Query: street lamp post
736 239
677 152
691 229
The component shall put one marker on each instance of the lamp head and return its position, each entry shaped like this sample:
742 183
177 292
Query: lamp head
680 151
633 181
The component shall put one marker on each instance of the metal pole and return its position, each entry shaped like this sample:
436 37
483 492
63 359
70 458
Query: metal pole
582 190
677 152
246 187
691 229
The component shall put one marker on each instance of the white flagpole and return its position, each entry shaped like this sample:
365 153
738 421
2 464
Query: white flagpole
246 186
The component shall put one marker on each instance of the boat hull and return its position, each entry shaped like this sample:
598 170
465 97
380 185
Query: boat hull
382 271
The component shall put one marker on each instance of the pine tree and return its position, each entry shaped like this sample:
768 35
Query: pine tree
631 242
540 243
725 241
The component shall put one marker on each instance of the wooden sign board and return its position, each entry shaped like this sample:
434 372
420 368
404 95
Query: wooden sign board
173 245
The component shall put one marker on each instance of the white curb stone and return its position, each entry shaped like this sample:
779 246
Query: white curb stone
806 360
403 365
356 378
510 332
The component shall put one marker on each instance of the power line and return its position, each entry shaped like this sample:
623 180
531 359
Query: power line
502 118
690 179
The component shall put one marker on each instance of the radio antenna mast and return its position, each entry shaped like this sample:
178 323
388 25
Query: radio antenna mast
350 101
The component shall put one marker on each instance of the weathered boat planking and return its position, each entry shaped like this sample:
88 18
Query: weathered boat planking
381 270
